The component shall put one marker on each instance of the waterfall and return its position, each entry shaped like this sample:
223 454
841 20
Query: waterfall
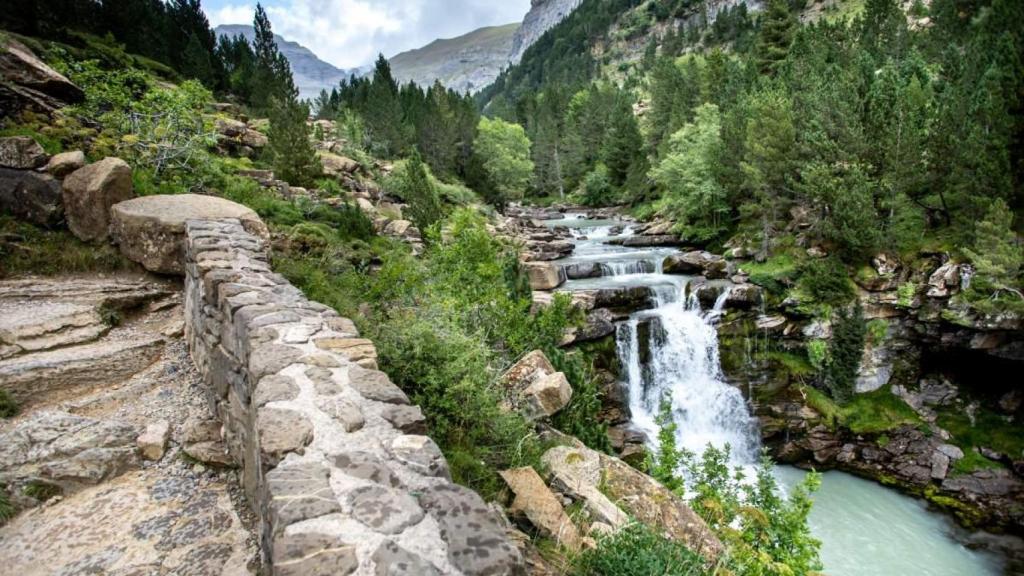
682 361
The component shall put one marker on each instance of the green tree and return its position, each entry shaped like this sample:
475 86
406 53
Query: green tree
688 173
844 353
624 148
294 157
504 153
664 465
196 62
769 159
272 78
778 25
997 257
848 218
424 203
382 112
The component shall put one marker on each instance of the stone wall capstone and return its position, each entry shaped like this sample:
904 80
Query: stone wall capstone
330 451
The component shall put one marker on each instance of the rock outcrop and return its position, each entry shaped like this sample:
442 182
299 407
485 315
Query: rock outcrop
543 15
29 84
613 493
90 191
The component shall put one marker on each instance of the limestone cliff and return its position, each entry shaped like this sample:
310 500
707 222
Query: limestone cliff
543 15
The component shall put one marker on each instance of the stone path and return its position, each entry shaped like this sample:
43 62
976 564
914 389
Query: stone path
93 363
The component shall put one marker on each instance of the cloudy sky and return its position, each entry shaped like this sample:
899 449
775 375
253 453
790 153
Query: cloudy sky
350 33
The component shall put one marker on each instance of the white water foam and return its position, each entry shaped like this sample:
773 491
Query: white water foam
683 364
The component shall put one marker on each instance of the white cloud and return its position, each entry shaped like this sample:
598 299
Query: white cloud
350 33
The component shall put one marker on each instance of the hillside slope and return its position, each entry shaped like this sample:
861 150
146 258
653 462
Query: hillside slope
465 64
310 72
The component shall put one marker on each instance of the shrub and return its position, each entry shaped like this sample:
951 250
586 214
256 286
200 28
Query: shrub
6 510
8 407
637 550
826 281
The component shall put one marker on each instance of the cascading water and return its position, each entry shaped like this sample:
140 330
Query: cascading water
682 365
673 349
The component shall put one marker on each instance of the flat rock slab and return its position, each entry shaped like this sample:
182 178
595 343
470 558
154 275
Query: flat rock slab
145 522
65 450
111 292
42 325
151 230
31 378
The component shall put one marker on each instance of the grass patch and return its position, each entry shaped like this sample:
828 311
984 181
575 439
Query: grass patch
973 461
870 413
8 407
29 249
41 491
989 429
775 274
830 411
876 412
50 144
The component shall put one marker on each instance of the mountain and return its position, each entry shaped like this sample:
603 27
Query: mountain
465 64
543 15
473 61
311 74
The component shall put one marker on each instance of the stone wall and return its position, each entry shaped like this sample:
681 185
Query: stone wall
332 455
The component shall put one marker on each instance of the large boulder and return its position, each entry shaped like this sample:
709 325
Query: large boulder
27 82
706 264
90 191
544 275
30 196
150 230
535 501
536 388
335 165
21 153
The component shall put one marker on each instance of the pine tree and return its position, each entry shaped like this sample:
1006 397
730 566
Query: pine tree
769 159
382 112
624 146
196 62
778 25
294 157
272 77
424 203
997 257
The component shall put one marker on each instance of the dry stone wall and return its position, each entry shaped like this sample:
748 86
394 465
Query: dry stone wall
331 451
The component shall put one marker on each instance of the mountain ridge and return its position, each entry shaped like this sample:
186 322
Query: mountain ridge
464 63
311 73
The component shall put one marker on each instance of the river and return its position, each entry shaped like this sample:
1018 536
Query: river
865 528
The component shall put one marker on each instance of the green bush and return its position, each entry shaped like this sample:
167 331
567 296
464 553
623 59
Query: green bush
637 550
8 407
6 510
826 281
